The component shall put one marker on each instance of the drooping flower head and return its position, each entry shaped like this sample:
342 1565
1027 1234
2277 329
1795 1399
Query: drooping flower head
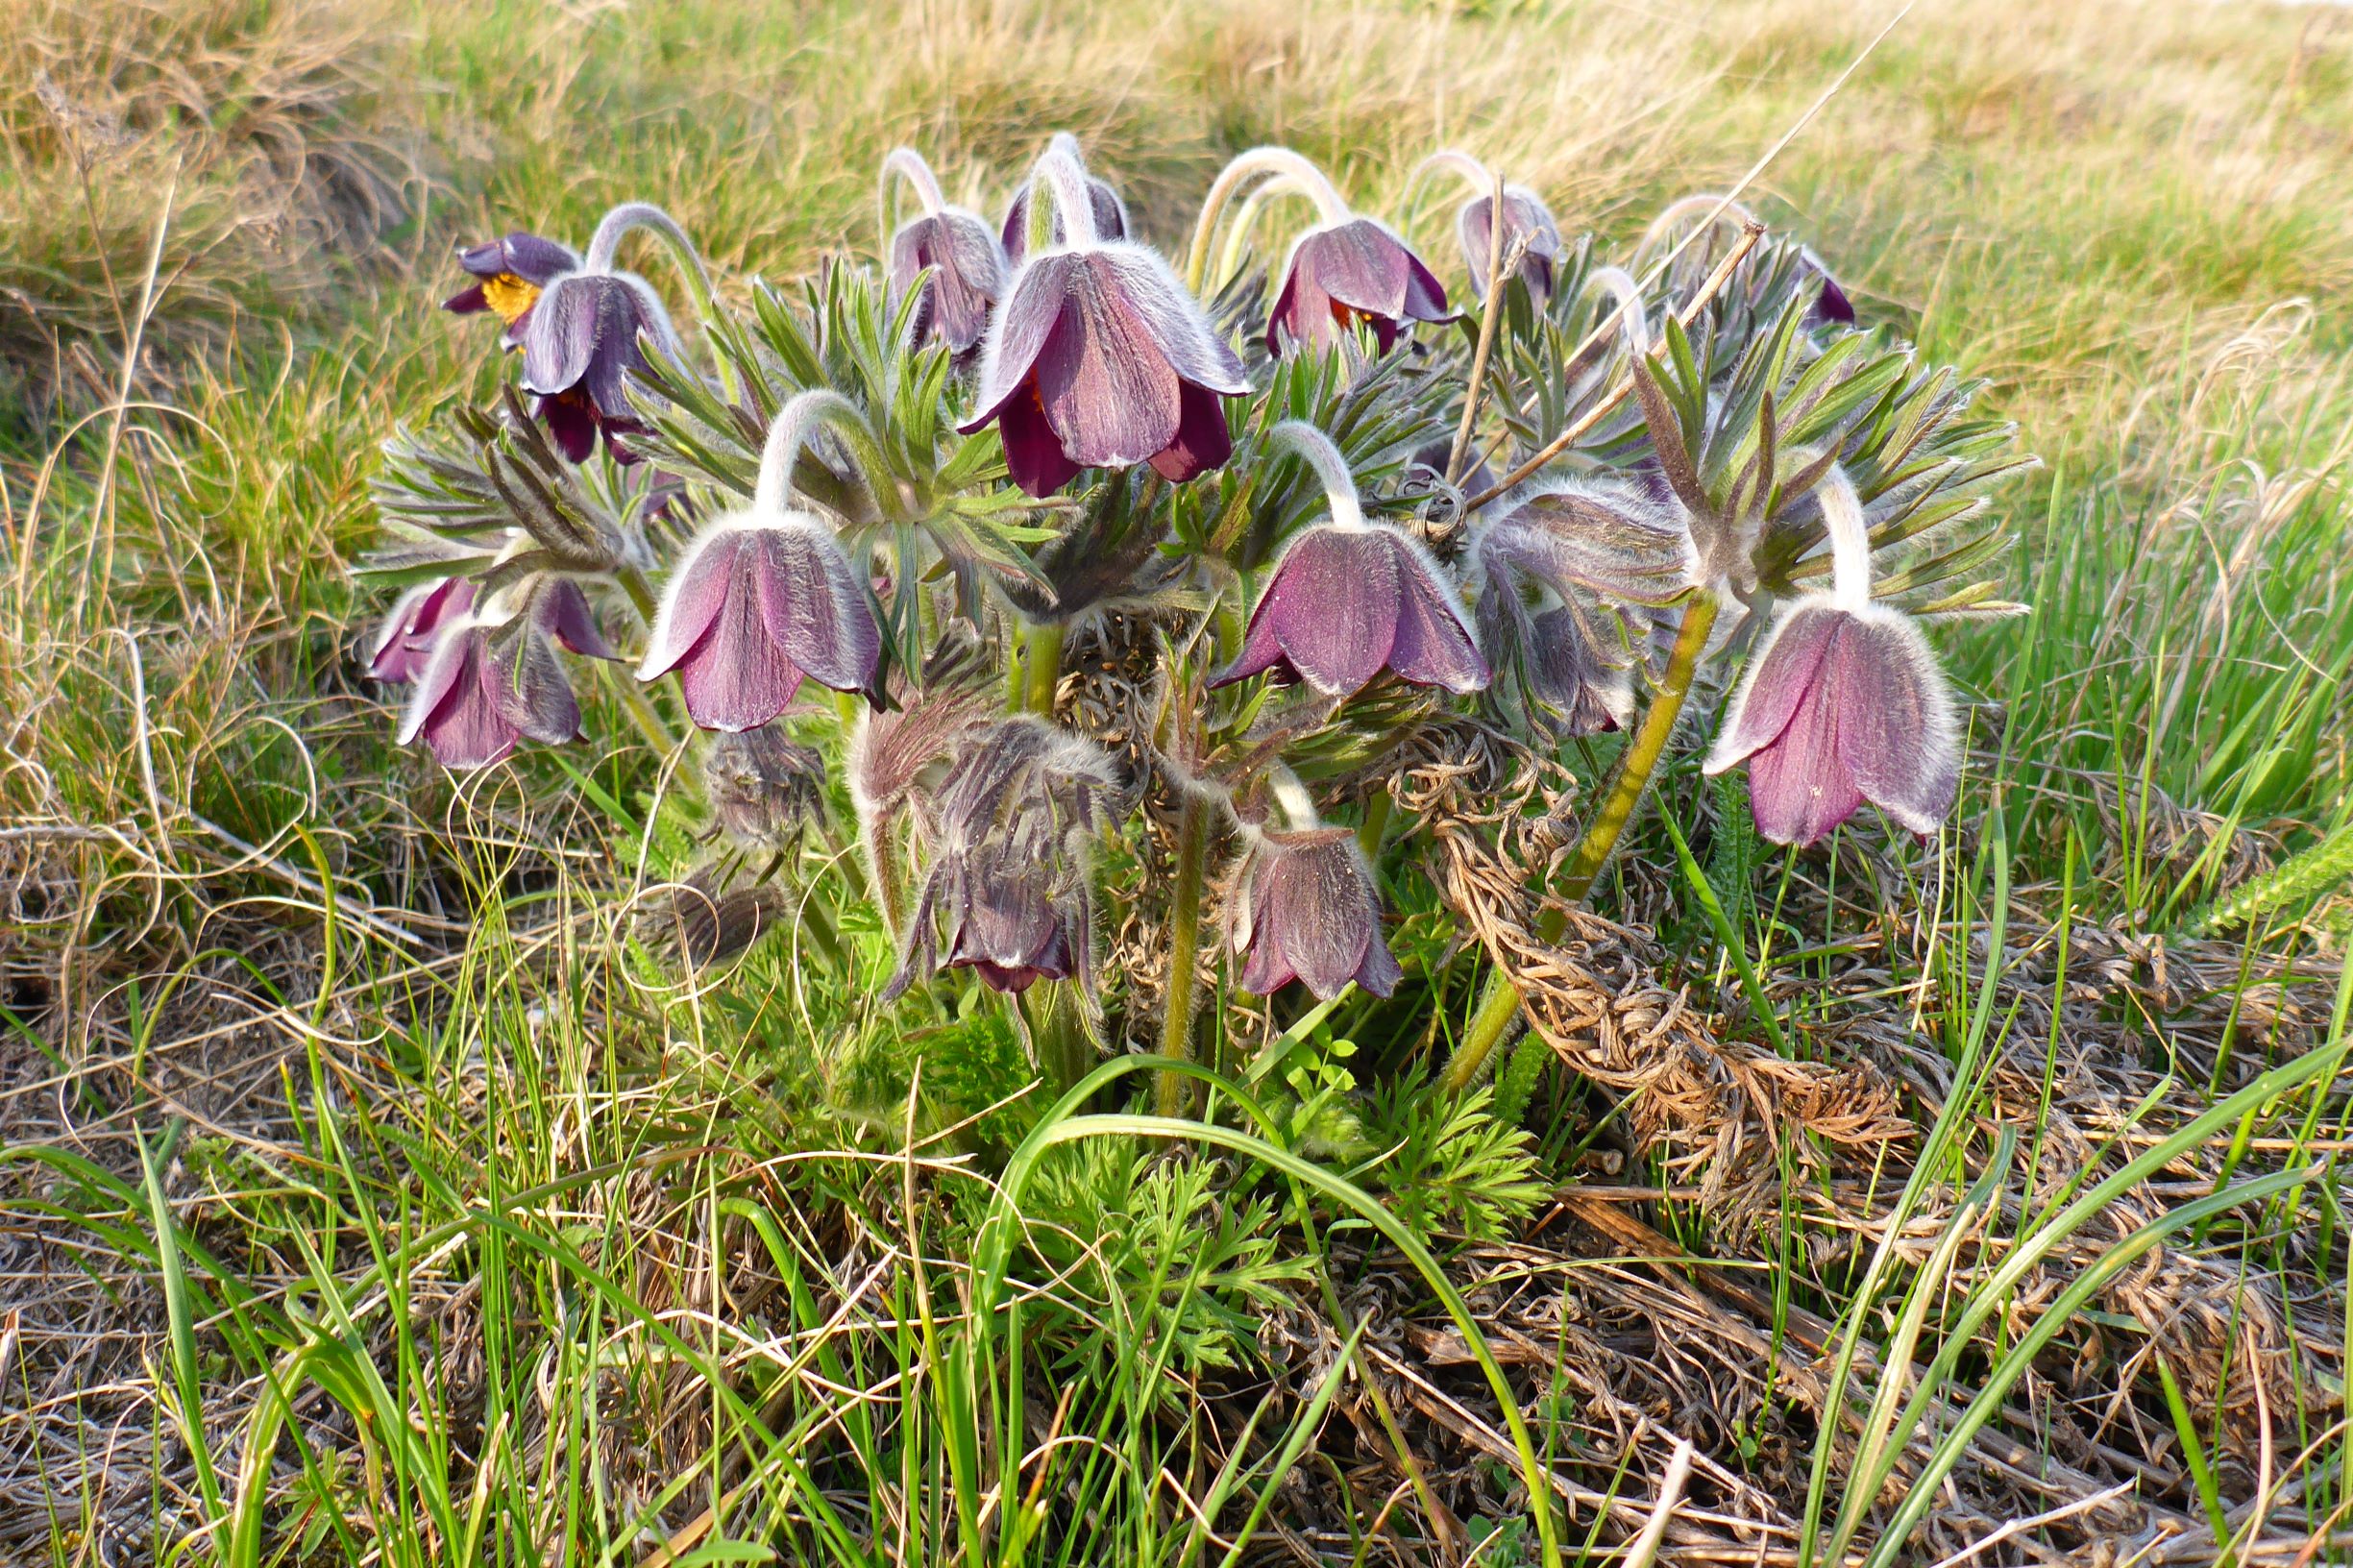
1529 232
763 786
1103 203
493 678
1307 910
509 274
1010 829
1843 703
964 262
405 644
1555 573
1344 270
1831 303
1098 359
1350 598
764 598
579 345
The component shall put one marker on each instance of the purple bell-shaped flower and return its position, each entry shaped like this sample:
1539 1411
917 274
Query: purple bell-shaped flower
1307 910
965 264
495 680
579 345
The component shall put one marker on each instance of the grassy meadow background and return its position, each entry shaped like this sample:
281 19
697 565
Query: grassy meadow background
369 1194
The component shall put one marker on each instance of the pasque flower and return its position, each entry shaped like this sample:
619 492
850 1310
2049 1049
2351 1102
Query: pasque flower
509 274
764 598
1307 911
1350 598
1103 204
1843 703
1350 271
494 677
1529 230
579 345
1098 359
966 264
763 786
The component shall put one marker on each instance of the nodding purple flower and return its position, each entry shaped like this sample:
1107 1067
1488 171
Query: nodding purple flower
1307 911
1841 706
404 646
967 263
1573 678
1527 228
1352 270
509 275
494 679
762 601
579 345
1350 598
968 274
1843 702
1103 203
1098 359
1010 826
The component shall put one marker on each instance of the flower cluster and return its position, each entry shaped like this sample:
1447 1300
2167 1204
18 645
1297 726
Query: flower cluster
1097 548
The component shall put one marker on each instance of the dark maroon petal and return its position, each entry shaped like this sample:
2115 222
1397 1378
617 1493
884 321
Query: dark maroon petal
1425 295
815 608
1334 606
452 711
1202 439
1433 646
1031 314
1832 303
968 276
736 676
1106 385
1360 264
620 314
405 644
1894 722
1172 318
696 593
1301 313
572 424
1033 452
466 301
565 612
1314 916
1567 674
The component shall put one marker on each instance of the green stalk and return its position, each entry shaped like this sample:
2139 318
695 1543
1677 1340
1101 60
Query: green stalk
1499 1008
1042 667
1376 823
1184 952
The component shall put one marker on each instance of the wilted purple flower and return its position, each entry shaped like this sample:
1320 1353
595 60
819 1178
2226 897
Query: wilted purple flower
1352 270
1103 203
760 602
404 646
968 274
509 275
1350 600
1527 221
1098 359
1843 703
1307 911
763 785
494 680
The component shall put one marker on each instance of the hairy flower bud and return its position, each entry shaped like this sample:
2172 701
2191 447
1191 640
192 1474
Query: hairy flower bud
1841 703
763 786
1344 273
968 274
1307 911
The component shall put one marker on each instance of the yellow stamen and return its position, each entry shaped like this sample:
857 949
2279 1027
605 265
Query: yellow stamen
509 295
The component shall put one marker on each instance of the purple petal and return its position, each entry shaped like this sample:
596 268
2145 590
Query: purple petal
815 608
523 679
565 612
466 301
1799 790
968 274
453 710
1033 309
563 333
1434 644
536 259
696 593
1106 385
1110 219
1783 672
1333 604
1174 319
1895 721
1033 451
1360 264
736 676
1202 439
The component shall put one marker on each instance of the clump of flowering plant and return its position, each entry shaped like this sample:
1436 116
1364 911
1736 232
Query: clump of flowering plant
1103 584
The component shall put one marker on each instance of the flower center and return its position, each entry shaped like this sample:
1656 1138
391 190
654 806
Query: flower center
509 296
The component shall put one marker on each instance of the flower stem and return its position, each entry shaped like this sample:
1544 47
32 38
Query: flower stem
1257 160
1040 668
1499 1008
1376 823
1184 952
